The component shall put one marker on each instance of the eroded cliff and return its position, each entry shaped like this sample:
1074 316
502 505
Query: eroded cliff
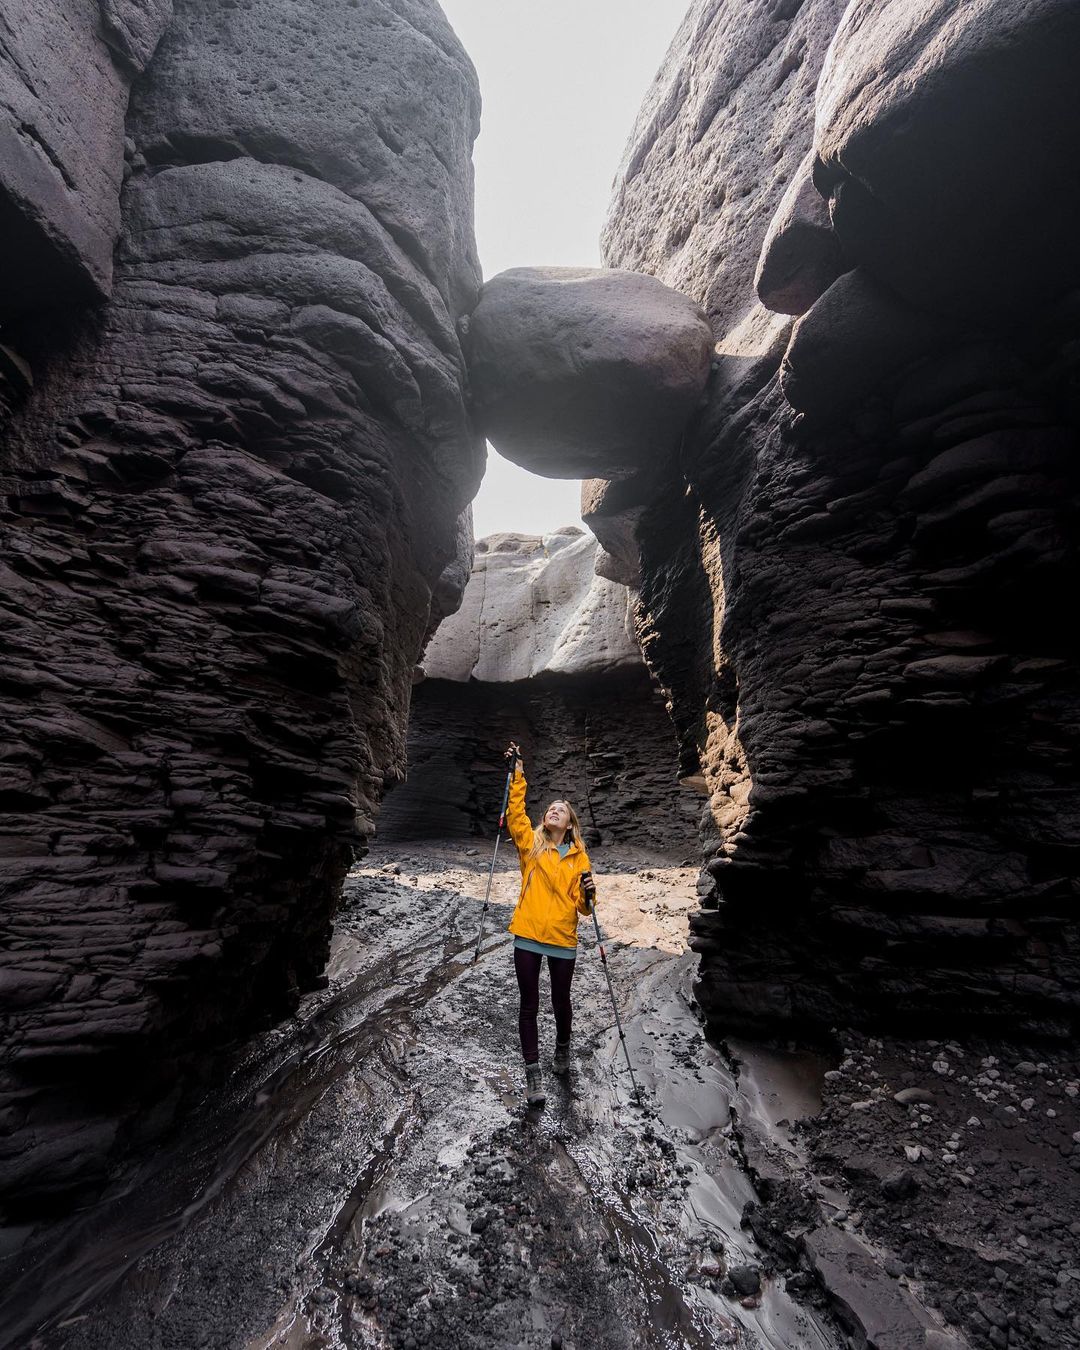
228 492
542 651
857 608
850 546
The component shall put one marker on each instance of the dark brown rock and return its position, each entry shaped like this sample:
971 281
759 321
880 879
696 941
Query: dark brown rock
614 758
226 501
855 338
871 1306
613 511
800 256
847 589
450 588
950 193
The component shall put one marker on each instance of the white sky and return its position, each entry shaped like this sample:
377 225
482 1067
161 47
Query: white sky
561 81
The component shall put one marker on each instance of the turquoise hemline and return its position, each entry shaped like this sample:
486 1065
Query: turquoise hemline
545 948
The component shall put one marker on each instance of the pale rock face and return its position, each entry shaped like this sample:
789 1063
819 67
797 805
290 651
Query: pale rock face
585 372
720 137
535 607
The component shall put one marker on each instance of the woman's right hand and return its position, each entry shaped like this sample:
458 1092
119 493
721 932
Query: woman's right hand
513 756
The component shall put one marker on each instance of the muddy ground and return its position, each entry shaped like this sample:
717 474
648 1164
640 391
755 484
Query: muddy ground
970 1183
369 1175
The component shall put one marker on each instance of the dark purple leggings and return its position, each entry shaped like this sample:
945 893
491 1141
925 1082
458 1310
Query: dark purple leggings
527 968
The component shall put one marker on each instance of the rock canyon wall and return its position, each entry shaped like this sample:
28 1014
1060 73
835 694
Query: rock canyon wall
825 399
853 545
855 572
235 455
542 652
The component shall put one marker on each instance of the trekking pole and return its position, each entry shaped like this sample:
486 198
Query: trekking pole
614 1006
498 841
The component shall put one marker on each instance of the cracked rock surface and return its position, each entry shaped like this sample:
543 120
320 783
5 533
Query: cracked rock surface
968 1184
228 495
612 759
581 372
846 587
66 69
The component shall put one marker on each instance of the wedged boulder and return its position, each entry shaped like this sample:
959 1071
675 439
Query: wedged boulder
945 139
585 372
535 606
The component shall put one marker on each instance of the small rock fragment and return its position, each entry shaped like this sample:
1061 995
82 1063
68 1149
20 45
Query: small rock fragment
746 1280
899 1185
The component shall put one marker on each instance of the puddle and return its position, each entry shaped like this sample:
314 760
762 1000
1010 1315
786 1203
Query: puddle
778 1087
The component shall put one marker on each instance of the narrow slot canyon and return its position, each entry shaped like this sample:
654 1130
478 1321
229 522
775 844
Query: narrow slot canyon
804 666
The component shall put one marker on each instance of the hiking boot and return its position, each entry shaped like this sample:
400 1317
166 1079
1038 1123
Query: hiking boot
534 1086
561 1062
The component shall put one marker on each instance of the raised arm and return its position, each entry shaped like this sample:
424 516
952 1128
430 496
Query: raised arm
517 820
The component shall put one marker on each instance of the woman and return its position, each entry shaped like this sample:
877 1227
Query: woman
556 886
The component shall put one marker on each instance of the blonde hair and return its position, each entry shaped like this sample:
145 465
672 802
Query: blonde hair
542 840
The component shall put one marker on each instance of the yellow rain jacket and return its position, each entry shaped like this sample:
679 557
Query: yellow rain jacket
550 902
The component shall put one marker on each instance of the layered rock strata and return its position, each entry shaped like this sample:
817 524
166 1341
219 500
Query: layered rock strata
227 496
535 606
541 652
604 744
857 609
850 569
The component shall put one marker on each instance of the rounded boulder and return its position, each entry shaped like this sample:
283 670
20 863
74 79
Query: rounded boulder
585 372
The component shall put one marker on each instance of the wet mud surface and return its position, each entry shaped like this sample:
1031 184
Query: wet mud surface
368 1177
371 1178
970 1184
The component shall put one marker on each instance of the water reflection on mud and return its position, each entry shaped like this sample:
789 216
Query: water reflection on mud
370 1178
